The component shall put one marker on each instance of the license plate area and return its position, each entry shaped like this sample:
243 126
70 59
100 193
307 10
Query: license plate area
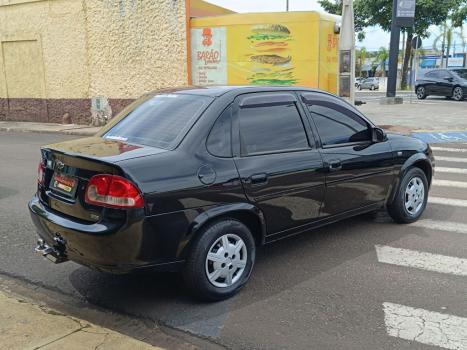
64 185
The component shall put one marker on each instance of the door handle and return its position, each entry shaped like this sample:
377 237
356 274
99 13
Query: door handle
335 165
258 179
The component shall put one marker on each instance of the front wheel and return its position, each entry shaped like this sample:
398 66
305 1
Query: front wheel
411 197
458 93
220 261
421 93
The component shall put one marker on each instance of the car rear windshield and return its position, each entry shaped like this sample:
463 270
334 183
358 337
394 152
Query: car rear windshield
159 121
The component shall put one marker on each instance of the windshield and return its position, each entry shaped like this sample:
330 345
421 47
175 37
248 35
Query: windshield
159 121
461 72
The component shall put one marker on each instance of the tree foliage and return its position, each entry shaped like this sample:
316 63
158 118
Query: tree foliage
379 12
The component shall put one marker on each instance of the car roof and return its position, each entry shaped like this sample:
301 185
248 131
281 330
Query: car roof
217 91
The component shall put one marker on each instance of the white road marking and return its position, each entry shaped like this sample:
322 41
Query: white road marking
447 149
447 183
422 260
426 327
447 226
448 201
451 170
452 159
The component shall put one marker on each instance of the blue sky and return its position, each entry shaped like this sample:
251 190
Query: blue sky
375 37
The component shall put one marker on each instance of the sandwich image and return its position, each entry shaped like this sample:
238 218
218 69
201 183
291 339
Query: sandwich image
270 57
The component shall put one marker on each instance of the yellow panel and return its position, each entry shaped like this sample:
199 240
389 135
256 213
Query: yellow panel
329 50
23 69
254 18
284 48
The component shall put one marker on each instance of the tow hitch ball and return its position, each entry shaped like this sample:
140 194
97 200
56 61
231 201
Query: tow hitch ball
48 252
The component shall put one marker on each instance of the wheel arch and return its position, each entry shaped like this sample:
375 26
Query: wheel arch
247 213
419 160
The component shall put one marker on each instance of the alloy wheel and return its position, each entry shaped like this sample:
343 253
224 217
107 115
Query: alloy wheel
421 92
458 94
414 196
226 261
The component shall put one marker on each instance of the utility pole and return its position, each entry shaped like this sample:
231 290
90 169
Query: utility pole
393 53
403 15
347 52
287 5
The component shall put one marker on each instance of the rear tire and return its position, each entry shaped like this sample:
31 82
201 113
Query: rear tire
458 93
411 197
421 93
220 261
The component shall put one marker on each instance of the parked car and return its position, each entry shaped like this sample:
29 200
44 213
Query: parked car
369 83
451 83
193 180
358 81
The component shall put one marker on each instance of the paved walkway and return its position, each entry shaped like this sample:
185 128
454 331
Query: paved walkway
70 129
24 325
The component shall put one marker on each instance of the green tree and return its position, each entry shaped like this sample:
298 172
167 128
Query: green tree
360 55
459 15
381 57
446 38
379 13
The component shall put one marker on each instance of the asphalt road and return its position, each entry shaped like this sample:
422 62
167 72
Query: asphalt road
364 283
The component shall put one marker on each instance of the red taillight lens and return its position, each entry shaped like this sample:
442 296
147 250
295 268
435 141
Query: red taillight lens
40 173
113 192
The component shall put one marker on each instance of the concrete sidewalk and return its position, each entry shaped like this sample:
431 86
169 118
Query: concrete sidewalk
69 129
24 325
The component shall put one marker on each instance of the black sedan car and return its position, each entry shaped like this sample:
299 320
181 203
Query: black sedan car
194 179
451 83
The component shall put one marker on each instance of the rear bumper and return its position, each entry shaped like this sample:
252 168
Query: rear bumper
115 247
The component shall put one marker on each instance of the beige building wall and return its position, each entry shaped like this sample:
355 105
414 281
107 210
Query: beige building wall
57 55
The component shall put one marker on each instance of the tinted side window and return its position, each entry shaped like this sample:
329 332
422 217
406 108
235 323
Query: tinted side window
444 74
431 75
338 127
219 141
268 129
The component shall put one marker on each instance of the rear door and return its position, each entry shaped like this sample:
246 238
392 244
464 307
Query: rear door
359 172
278 162
432 82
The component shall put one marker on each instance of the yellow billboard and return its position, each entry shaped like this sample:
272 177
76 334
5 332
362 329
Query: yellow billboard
295 48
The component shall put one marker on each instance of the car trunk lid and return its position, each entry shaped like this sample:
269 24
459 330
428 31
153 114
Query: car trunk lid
70 165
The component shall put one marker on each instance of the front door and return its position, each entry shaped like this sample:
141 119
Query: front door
359 171
280 167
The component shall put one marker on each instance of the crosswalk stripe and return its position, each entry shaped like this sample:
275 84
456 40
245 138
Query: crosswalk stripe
425 327
422 260
452 159
448 149
447 226
448 201
447 183
451 170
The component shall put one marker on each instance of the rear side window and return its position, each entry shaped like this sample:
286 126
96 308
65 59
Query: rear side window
271 129
159 121
219 142
338 127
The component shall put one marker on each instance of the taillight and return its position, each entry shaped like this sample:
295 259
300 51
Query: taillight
41 173
113 192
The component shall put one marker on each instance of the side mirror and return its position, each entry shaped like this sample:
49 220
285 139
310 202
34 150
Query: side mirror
450 79
378 135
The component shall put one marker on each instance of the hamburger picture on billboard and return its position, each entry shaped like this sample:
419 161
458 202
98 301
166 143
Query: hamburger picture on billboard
270 58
